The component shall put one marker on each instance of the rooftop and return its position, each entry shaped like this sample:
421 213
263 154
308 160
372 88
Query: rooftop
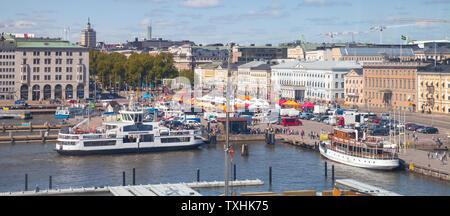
327 65
376 51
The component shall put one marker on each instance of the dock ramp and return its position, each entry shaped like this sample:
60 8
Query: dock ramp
365 188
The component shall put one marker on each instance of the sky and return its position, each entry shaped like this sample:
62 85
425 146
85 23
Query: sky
244 22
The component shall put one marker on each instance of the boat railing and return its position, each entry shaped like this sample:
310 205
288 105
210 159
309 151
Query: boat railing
384 156
85 136
181 133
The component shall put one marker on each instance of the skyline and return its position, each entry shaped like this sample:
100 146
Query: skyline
219 21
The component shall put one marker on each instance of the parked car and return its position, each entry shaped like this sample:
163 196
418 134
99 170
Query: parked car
324 118
414 127
377 120
290 122
379 131
428 130
407 125
383 122
306 116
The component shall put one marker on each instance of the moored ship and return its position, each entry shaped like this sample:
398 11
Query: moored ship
345 146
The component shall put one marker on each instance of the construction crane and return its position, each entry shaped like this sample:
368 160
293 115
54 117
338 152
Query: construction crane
333 34
419 20
382 28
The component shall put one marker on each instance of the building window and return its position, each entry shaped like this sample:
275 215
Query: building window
68 77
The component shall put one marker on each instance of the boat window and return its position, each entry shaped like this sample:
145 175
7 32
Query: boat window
69 143
100 143
130 128
175 139
142 127
147 138
129 139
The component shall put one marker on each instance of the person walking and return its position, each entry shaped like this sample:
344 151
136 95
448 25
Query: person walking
302 134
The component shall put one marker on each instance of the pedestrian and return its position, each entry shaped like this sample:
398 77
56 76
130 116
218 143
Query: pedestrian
302 133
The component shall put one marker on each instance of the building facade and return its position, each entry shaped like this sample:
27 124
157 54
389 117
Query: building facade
296 53
37 69
254 79
88 37
258 53
187 57
434 89
313 81
391 85
354 88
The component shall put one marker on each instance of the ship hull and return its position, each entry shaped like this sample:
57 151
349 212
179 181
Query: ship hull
368 163
127 150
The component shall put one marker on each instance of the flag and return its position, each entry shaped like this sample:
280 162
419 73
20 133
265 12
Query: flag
404 37
302 37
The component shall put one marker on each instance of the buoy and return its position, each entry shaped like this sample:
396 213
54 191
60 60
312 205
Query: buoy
244 151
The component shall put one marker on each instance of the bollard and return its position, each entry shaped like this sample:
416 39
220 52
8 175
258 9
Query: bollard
134 176
123 178
50 183
270 175
326 169
198 175
26 182
332 172
234 174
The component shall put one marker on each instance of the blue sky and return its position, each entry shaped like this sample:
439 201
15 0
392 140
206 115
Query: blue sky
221 21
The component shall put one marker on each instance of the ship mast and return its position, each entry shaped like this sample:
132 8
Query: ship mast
227 111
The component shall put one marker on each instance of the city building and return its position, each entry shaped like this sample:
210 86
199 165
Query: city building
354 88
296 53
36 69
214 75
314 81
434 89
319 55
373 54
254 79
187 57
156 44
88 37
435 50
258 53
391 84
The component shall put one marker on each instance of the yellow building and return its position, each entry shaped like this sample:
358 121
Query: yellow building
434 89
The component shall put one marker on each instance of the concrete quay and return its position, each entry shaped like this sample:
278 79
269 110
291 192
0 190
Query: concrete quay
414 159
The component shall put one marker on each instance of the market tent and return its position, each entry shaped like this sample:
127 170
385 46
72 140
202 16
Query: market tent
307 105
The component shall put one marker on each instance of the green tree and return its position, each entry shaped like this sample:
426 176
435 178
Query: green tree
188 74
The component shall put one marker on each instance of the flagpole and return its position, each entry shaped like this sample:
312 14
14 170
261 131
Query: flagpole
227 124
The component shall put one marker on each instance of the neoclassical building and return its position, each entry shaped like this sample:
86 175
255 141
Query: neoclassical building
37 69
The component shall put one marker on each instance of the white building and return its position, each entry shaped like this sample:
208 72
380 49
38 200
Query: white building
254 79
36 69
316 81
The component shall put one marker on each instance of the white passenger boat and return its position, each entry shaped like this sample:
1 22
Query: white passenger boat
344 146
128 134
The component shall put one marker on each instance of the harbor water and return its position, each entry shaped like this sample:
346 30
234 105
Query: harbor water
293 168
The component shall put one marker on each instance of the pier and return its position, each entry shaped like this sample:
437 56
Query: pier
418 161
180 189
31 127
365 188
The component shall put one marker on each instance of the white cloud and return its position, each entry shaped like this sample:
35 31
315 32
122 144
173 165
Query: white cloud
201 3
146 21
22 24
